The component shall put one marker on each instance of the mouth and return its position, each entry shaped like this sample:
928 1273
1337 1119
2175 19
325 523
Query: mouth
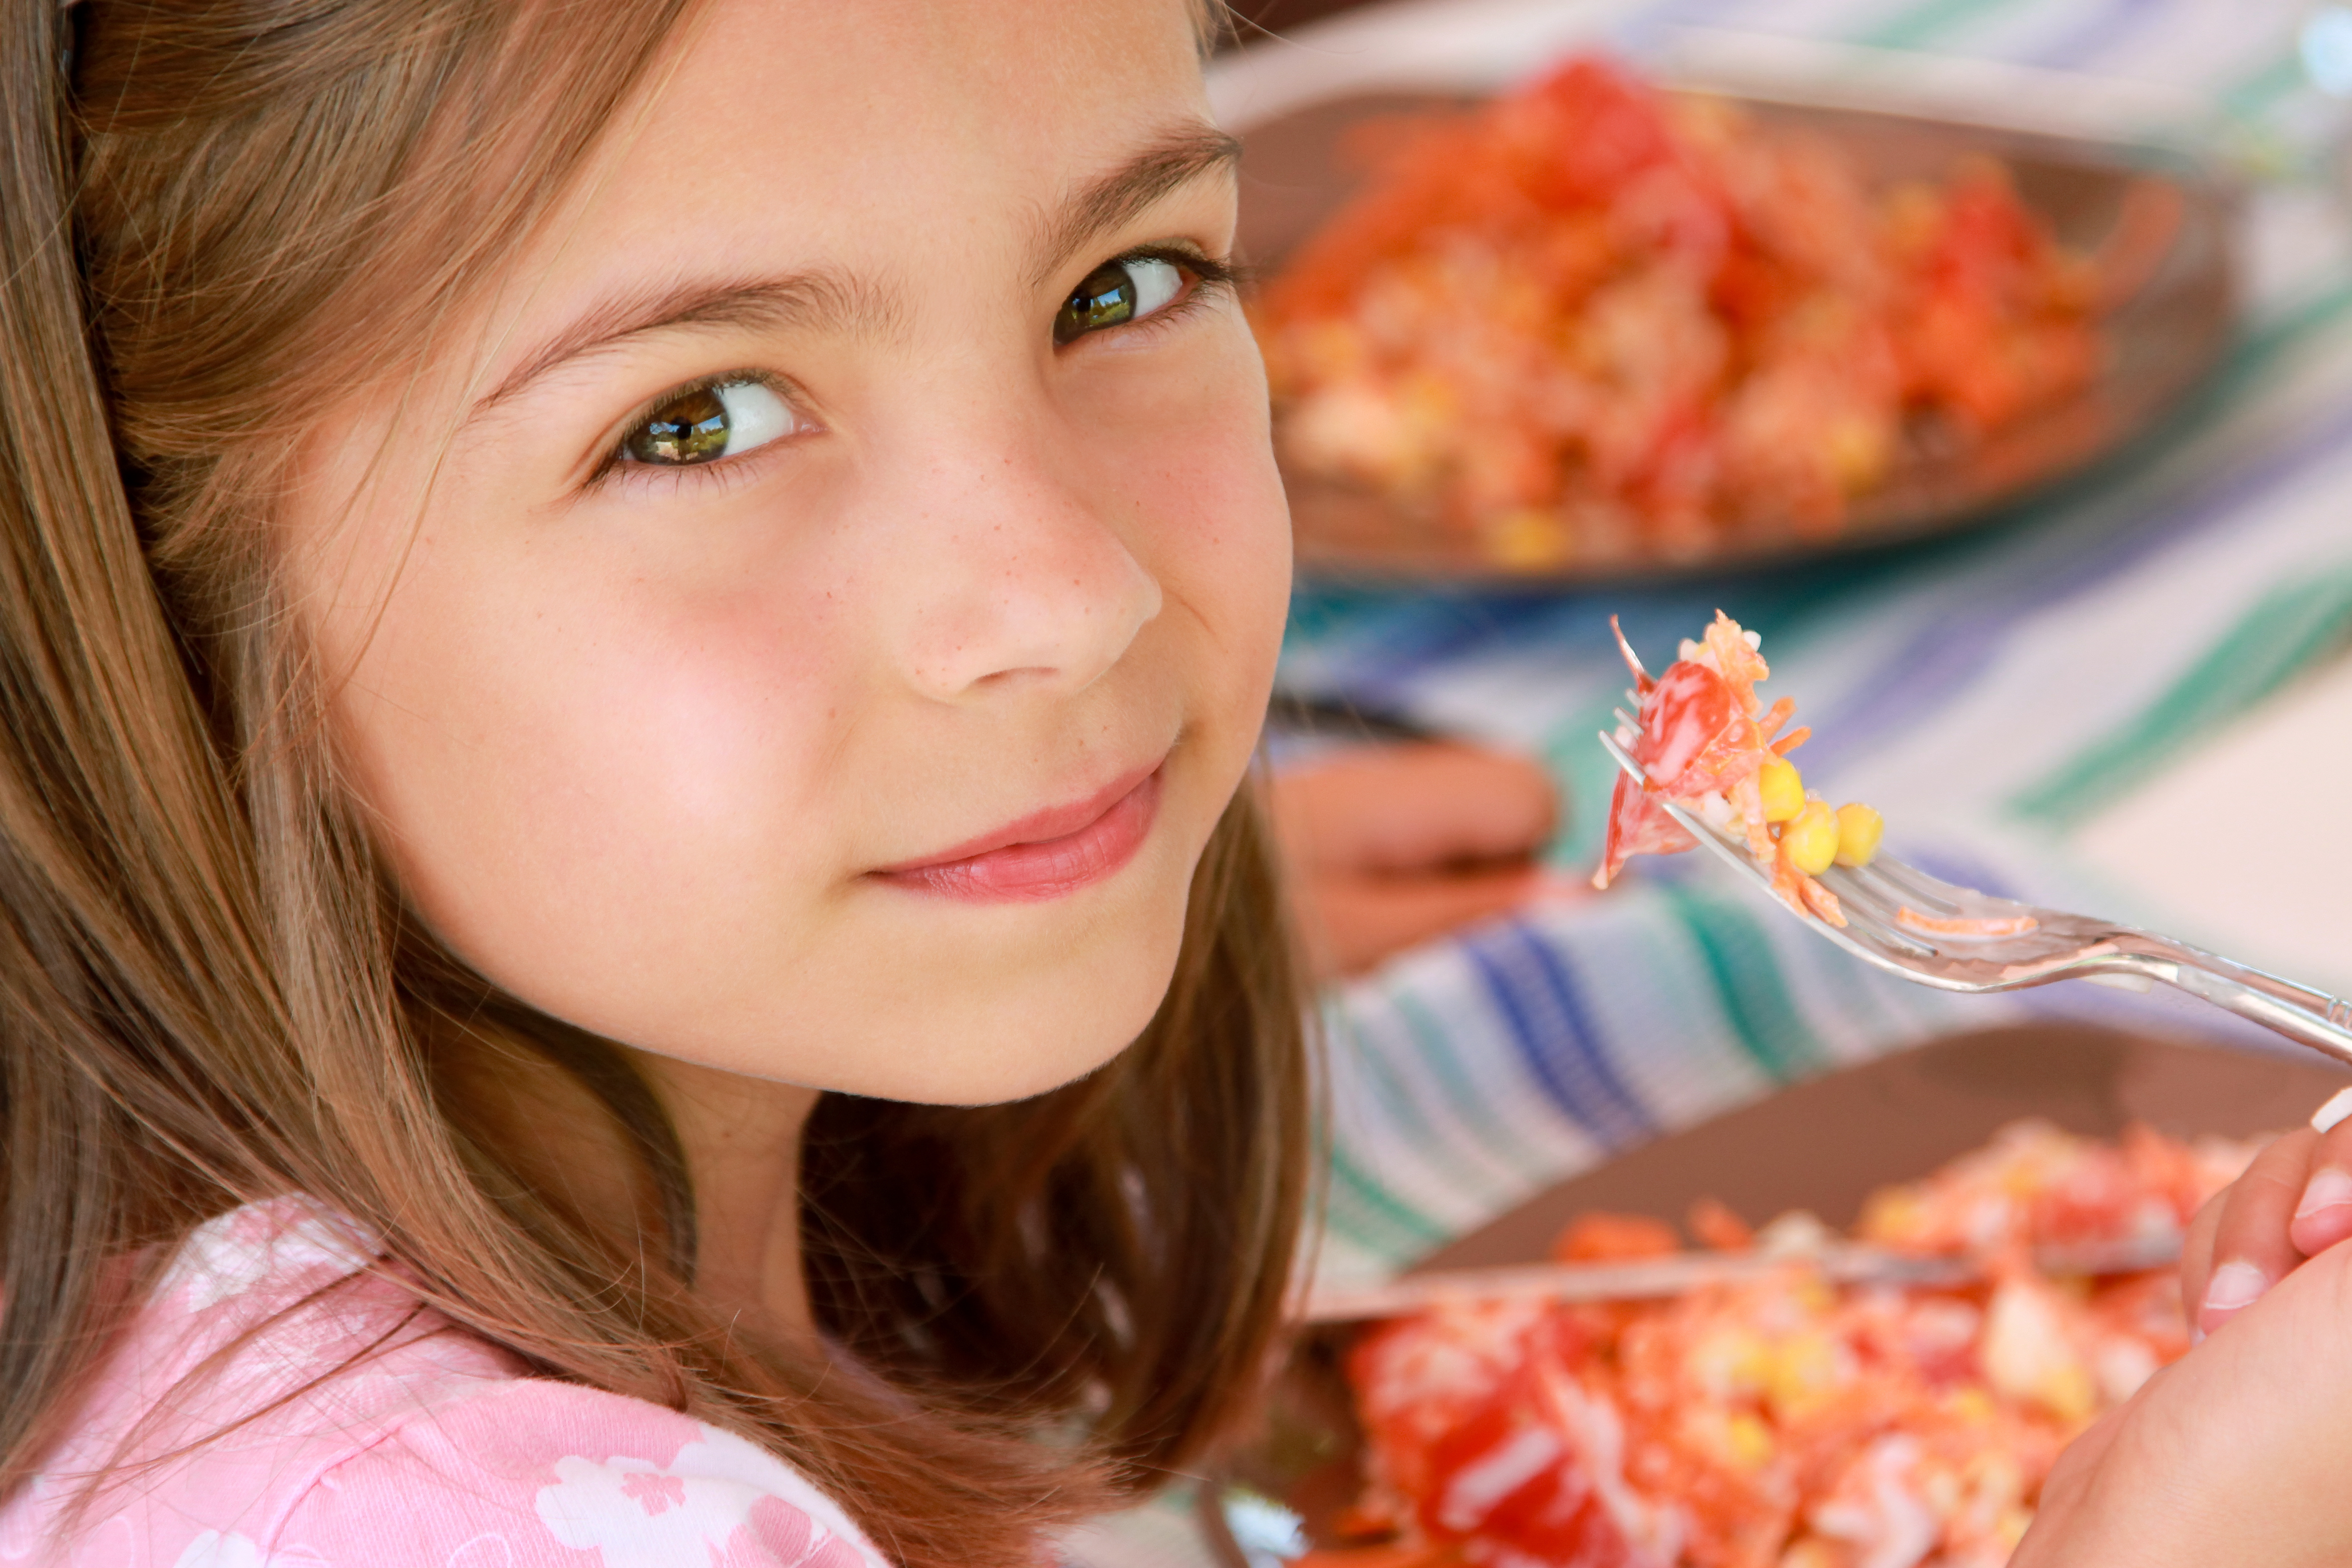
1049 854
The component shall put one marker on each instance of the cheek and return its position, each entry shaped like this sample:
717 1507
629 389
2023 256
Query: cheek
540 738
702 717
1199 471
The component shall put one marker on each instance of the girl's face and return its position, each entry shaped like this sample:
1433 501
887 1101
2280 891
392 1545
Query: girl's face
823 648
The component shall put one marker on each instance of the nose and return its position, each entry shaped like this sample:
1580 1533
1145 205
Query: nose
1010 578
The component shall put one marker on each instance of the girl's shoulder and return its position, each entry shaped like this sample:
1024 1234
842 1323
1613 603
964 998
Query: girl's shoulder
335 1421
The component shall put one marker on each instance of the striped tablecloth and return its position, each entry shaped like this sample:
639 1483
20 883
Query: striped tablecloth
1990 694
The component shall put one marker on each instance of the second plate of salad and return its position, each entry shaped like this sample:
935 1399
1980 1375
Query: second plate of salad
1590 330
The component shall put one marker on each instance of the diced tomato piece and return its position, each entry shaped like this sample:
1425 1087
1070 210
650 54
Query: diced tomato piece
1718 1226
1442 1556
1697 736
1509 1477
1638 824
1596 1236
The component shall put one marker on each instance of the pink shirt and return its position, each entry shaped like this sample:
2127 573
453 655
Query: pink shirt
438 1450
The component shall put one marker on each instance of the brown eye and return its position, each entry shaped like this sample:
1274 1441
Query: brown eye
710 423
692 429
1116 293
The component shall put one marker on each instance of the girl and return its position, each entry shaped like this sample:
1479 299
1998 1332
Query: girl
627 634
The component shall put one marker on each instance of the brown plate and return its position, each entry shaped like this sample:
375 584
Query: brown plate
2170 223
1823 1145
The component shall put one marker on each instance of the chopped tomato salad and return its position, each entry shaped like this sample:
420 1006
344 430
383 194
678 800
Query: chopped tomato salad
1784 1421
1706 744
1594 322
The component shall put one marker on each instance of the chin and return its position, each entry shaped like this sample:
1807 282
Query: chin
1001 1028
1024 1040
987 1006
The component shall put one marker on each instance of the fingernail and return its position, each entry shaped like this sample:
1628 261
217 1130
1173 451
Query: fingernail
2329 1188
2339 1106
2235 1286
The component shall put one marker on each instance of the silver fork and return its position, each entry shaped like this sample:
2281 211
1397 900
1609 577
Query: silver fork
2058 946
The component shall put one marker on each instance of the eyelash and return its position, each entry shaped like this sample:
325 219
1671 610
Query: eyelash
613 470
1211 276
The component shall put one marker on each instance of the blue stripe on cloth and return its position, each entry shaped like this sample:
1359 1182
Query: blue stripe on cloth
1536 993
1949 651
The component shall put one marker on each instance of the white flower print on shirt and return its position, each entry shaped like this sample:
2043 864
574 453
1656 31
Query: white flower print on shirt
639 1514
436 1452
228 1256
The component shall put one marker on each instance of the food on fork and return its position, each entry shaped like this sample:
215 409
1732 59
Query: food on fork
1706 745
1860 827
1594 322
1695 767
1786 1423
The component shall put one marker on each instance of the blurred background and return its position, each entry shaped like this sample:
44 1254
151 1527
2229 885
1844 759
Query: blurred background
2079 641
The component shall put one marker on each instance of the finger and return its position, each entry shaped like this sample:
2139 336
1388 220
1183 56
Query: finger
2251 1248
2323 1214
1413 809
1357 921
2197 1250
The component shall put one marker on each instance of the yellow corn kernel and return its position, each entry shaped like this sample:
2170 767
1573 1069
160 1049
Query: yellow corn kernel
1806 1374
1782 788
1859 830
1528 539
1811 838
1750 1440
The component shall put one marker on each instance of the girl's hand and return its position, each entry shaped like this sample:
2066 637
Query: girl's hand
2235 1454
2294 1203
1389 846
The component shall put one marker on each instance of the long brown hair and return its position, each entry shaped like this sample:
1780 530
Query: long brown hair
211 212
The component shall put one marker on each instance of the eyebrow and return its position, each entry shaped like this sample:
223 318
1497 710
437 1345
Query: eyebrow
1175 159
813 300
824 299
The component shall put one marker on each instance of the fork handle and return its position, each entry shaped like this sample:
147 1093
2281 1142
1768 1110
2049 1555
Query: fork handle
2309 1017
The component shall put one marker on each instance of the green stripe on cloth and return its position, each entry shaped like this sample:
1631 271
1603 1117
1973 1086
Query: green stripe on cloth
1369 1215
2290 629
2251 94
1748 983
1408 1114
1923 24
1587 778
1440 1050
2257 350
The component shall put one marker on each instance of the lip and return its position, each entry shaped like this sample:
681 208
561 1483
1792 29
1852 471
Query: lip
1049 854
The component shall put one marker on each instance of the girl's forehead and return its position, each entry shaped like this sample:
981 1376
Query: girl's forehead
829 161
841 114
